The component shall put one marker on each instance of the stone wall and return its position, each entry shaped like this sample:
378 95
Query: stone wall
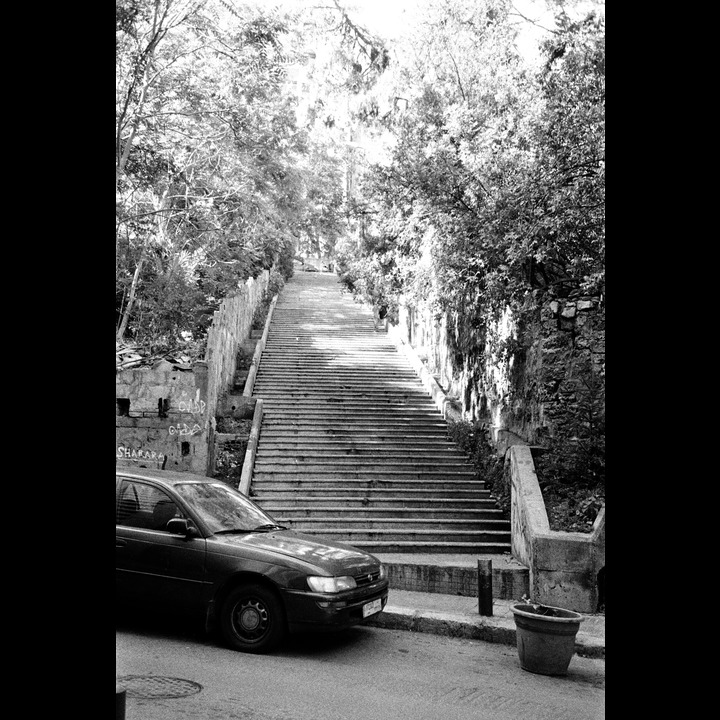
529 393
564 368
165 415
162 417
231 326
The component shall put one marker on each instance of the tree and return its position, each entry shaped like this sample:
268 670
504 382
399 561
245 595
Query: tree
206 150
495 187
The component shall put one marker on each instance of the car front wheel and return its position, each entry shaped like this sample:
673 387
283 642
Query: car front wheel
252 619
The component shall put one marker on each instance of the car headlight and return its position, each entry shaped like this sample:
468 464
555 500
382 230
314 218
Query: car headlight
331 584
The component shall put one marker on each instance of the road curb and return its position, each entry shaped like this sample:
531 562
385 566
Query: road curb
487 629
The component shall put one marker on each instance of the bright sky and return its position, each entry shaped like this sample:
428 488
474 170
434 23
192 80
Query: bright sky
389 17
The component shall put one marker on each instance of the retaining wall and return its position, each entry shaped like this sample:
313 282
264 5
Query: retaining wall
529 394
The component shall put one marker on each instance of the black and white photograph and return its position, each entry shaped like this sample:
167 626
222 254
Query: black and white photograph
359 360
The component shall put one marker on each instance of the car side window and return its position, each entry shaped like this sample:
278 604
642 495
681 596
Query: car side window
144 506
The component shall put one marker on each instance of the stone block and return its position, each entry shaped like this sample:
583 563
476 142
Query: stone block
572 591
571 552
237 406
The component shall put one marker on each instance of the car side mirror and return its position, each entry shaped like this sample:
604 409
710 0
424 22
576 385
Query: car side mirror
182 526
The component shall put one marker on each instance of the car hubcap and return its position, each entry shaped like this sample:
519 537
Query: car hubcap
251 619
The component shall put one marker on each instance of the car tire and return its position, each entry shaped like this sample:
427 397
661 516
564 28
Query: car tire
252 619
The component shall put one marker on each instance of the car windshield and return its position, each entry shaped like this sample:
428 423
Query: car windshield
225 510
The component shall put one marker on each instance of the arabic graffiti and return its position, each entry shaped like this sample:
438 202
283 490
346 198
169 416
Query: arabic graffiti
192 406
184 429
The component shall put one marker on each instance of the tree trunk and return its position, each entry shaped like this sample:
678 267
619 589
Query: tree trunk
131 300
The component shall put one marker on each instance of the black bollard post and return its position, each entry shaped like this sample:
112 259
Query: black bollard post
485 601
119 702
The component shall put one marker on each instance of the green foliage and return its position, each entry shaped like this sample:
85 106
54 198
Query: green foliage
576 451
276 282
474 440
571 466
496 184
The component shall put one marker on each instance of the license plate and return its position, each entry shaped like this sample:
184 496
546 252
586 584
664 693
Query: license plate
372 607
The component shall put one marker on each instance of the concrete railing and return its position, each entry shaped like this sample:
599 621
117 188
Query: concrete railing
251 450
255 363
446 405
249 461
564 566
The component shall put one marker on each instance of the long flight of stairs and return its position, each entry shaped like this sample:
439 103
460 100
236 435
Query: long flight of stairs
351 447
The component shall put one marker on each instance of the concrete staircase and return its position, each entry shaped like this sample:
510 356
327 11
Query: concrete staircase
351 446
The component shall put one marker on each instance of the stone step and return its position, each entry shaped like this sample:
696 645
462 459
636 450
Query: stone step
374 415
296 328
340 392
388 481
360 492
315 439
419 546
343 389
358 348
352 411
361 423
354 535
269 451
330 402
367 467
362 513
327 348
352 363
375 502
379 465
341 440
287 382
456 574
341 377
400 525
388 478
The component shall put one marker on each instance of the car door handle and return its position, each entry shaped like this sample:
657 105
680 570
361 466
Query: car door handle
120 543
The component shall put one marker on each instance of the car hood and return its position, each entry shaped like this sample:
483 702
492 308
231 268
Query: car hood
335 558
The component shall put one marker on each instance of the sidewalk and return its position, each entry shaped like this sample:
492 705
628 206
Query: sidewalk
457 616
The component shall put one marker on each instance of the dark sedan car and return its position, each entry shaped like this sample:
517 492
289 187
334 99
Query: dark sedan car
193 543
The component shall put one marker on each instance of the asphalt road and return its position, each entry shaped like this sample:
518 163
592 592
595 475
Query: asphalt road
365 673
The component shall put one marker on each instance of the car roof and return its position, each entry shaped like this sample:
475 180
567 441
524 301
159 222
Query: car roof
170 477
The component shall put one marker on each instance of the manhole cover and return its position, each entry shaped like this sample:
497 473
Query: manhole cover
151 686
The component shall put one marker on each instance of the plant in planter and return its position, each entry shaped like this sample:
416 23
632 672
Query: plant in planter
545 636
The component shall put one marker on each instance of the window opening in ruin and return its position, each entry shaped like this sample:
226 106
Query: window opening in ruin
122 406
185 448
163 406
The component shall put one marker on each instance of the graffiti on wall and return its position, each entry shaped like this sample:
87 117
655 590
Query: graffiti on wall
127 453
184 429
189 405
194 405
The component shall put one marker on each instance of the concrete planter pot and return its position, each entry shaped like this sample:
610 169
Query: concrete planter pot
545 637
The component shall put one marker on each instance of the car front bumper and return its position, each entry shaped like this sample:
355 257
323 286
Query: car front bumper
318 611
